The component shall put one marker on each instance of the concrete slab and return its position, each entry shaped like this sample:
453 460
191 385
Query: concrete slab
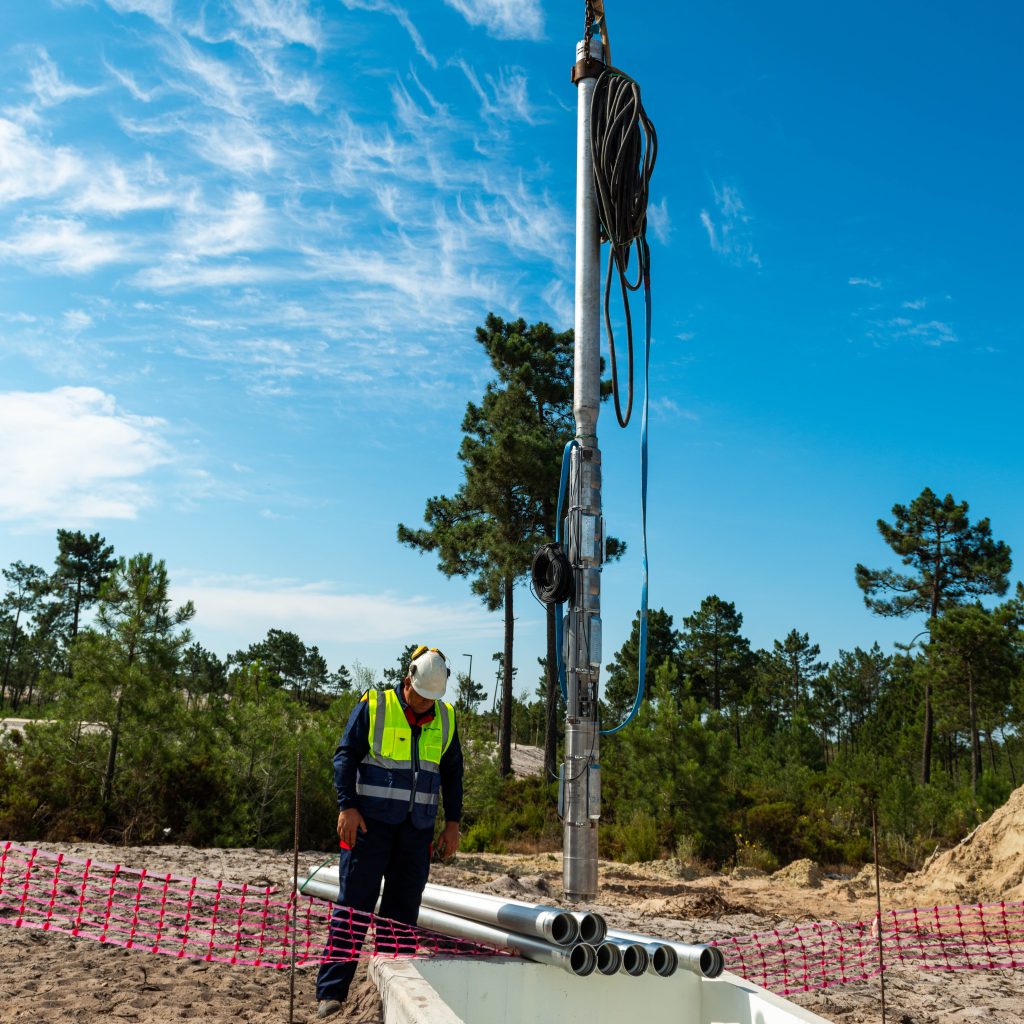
452 990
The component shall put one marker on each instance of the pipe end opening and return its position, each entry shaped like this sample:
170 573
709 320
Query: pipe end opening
582 960
593 928
664 961
564 930
712 963
634 960
609 958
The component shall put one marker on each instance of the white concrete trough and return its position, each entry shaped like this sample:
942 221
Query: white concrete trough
509 990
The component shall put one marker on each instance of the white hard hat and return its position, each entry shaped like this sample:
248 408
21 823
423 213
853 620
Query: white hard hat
428 672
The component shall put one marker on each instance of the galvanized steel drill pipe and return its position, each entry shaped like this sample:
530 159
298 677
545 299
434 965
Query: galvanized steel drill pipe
571 940
616 148
580 796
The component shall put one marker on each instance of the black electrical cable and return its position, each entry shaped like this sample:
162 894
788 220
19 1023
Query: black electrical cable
551 575
625 148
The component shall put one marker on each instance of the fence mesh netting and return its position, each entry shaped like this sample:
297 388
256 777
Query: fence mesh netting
820 954
193 918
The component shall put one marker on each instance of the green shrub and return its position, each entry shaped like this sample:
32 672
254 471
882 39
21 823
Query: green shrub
638 838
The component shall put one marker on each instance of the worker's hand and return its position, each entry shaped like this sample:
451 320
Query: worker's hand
350 824
448 841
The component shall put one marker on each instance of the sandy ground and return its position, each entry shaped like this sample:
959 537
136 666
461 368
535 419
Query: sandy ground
46 977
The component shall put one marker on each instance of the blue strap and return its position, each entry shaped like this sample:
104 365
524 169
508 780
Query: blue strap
566 462
641 682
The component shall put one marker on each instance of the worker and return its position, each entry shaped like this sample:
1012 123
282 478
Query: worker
399 752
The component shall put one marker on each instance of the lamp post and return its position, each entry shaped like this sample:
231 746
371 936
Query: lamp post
469 689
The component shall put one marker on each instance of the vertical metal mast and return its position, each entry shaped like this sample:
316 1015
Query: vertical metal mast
581 773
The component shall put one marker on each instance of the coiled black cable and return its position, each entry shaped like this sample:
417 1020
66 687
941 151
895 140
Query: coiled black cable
625 148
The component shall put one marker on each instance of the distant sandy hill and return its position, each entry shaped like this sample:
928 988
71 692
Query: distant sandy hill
987 865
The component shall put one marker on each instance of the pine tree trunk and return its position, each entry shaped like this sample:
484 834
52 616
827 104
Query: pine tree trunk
505 730
551 700
926 746
975 745
115 732
7 660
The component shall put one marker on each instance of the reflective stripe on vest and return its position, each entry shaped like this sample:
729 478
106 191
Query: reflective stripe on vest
391 734
390 793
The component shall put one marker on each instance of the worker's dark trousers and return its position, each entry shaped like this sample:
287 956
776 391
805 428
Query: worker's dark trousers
400 854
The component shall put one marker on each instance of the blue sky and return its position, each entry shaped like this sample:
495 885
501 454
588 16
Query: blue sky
244 247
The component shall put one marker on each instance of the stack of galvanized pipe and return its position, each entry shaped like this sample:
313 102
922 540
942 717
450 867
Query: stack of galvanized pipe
579 942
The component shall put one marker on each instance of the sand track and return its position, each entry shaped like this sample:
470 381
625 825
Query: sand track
46 977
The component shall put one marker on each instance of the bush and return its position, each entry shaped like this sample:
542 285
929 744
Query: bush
637 838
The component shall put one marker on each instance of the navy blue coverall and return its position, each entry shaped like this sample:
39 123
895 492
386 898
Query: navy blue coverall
399 854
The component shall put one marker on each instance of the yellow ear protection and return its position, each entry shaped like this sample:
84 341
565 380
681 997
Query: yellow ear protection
422 649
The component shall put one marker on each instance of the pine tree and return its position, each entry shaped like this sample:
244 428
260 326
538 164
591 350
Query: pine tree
951 562
124 665
83 564
717 657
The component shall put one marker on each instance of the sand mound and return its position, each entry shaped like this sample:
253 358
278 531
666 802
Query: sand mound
987 865
804 873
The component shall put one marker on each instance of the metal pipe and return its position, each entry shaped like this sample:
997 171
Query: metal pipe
563 927
580 959
662 958
325 890
634 959
609 958
593 927
700 959
580 797
557 926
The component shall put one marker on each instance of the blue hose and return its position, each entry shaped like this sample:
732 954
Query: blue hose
641 682
566 462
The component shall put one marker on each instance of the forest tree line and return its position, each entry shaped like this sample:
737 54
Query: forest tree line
738 754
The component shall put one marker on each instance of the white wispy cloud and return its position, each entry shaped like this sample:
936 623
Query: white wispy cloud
668 408
237 146
729 229
915 304
287 21
503 19
559 298
242 224
865 282
402 16
508 99
364 151
77 320
249 606
30 168
63 244
48 85
160 11
130 83
114 190
70 455
177 273
528 222
213 82
933 333
659 221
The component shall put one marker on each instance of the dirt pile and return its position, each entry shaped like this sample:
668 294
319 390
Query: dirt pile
804 873
987 865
